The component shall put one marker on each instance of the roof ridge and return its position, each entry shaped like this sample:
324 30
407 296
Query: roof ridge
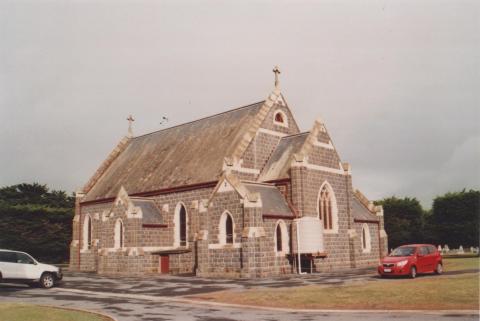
298 134
203 118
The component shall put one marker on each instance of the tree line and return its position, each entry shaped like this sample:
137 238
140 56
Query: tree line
452 220
38 220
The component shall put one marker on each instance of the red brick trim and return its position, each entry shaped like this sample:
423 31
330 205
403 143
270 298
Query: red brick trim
277 216
365 221
182 188
154 225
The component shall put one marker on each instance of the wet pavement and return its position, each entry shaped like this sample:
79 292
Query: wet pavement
153 298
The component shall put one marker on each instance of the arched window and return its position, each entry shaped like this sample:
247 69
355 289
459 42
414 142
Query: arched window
229 230
181 224
279 118
226 229
119 234
365 239
327 208
87 232
281 238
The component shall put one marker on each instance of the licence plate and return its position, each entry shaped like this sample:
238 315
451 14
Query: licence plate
387 270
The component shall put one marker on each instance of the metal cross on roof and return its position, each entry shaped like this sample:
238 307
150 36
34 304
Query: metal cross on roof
130 121
276 71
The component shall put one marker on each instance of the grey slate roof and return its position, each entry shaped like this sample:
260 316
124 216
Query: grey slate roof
360 212
182 155
279 163
151 213
273 202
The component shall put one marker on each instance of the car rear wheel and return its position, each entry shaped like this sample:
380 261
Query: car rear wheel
439 268
47 281
413 272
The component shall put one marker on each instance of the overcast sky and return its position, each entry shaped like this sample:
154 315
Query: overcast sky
397 82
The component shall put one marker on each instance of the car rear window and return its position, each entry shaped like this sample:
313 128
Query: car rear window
10 257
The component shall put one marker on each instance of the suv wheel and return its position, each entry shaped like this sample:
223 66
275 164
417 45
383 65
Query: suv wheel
439 268
47 281
413 272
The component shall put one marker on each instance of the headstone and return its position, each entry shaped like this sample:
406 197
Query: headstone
439 248
472 249
476 250
446 248
460 250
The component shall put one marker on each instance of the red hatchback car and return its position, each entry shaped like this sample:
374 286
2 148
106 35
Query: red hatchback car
411 260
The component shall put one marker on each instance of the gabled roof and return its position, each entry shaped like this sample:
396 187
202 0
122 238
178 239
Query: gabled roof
279 163
273 202
150 212
360 212
182 155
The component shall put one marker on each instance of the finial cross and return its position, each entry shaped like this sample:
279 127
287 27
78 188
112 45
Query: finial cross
130 121
276 71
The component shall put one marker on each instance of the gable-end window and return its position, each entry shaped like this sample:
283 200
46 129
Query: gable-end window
281 238
87 232
279 118
119 234
327 208
181 225
226 229
365 239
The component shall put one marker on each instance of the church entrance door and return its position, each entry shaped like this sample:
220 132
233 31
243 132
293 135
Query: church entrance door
164 264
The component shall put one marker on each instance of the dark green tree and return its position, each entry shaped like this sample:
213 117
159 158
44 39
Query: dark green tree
36 220
455 218
403 220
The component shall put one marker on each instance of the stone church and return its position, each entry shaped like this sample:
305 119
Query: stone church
242 193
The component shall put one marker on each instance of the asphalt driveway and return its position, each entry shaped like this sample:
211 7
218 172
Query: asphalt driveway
159 298
171 286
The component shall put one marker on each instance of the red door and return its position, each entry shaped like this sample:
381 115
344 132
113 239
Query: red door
164 264
422 259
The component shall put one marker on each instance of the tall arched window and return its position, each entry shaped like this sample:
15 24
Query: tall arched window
119 234
365 239
229 229
281 238
87 232
327 208
226 229
181 225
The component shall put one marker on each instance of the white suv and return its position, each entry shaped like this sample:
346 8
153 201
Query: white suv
19 267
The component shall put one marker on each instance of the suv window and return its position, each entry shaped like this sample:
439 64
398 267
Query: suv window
24 259
9 257
423 250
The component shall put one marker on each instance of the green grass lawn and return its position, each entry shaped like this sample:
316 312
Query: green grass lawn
29 312
426 292
457 264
